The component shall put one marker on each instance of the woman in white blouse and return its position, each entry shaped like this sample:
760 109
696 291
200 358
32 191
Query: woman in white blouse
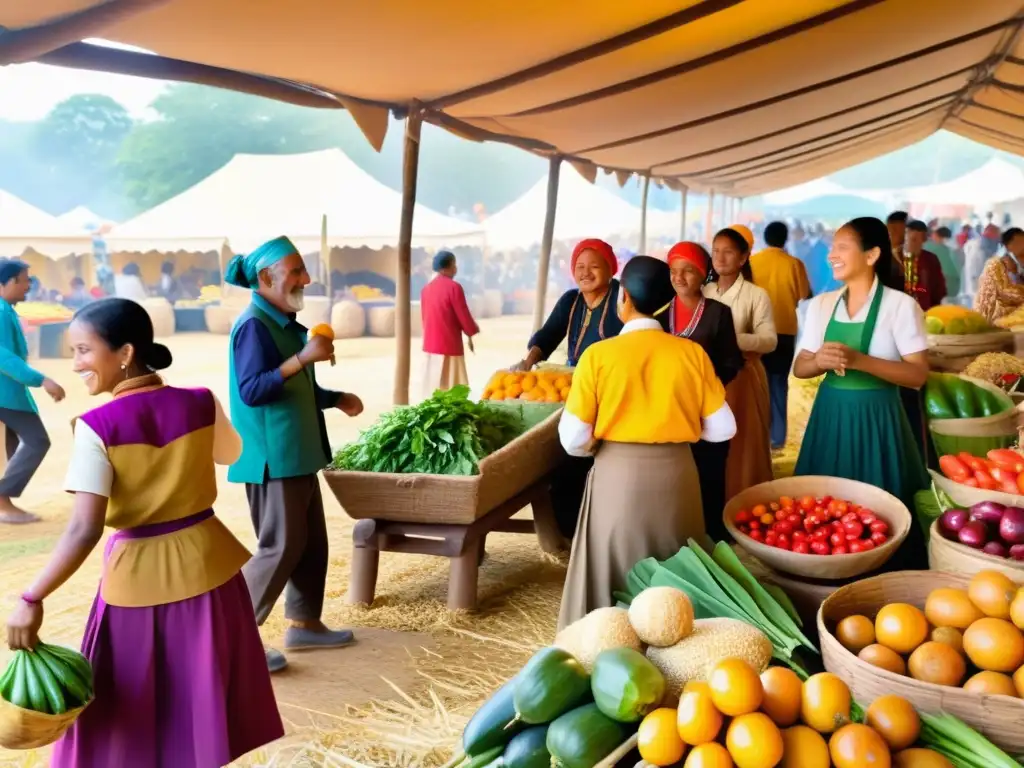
869 339
750 454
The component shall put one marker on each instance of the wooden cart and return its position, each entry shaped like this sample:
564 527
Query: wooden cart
450 516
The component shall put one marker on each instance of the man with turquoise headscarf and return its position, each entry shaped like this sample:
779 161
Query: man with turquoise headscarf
277 407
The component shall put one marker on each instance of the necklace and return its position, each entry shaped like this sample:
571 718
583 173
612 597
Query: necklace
587 315
694 319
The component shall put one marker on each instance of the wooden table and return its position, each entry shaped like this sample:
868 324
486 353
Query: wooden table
463 545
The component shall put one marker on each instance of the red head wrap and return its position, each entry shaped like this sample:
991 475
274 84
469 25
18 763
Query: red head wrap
991 232
598 246
692 254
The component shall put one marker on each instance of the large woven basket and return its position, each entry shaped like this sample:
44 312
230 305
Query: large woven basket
25 729
886 506
1000 718
954 557
966 496
953 353
446 498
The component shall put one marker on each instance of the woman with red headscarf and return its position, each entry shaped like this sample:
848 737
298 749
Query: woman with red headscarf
710 324
584 315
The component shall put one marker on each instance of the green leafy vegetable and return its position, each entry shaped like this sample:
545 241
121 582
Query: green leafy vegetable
446 434
961 744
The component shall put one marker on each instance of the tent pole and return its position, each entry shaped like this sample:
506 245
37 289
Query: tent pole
643 213
403 306
682 213
709 219
739 207
554 168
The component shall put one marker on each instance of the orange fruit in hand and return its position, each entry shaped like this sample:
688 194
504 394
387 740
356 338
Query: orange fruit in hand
855 633
937 663
825 702
992 592
698 719
896 721
803 747
995 645
754 741
901 627
735 687
884 658
322 329
658 739
948 607
783 691
858 746
992 683
919 758
709 756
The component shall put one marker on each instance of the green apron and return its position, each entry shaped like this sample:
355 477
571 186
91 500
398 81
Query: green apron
859 430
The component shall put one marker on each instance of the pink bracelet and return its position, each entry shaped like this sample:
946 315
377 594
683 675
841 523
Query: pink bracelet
27 598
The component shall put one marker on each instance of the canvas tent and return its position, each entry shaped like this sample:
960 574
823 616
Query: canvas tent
23 226
994 182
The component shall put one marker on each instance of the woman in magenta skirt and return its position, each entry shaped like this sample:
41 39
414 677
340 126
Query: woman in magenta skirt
181 680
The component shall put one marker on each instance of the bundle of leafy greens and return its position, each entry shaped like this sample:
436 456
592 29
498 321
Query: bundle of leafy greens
447 434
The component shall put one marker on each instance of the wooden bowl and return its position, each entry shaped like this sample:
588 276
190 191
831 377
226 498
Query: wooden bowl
997 717
954 557
886 506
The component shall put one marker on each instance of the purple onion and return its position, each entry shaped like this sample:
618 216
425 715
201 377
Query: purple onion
1017 552
974 534
995 548
952 521
990 512
1011 526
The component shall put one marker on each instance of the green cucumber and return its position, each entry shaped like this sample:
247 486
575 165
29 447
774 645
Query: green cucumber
963 396
36 696
991 404
528 749
626 686
550 684
78 693
937 400
19 690
494 723
51 688
583 738
485 759
76 661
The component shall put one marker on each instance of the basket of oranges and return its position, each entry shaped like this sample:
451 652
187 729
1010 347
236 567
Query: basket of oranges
540 386
944 642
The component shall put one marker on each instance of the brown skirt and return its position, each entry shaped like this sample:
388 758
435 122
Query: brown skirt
750 453
641 501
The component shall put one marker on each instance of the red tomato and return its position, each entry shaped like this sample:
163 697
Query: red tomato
743 516
1009 486
850 516
784 527
808 525
985 480
866 516
879 538
954 469
781 514
786 502
771 538
1020 483
802 548
820 548
855 546
755 525
972 482
837 539
973 463
799 535
843 507
773 507
820 535
784 542
854 529
1007 459
757 535
867 544
840 550
807 503
879 526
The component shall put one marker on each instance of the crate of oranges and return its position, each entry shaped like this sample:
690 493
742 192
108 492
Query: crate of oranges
540 386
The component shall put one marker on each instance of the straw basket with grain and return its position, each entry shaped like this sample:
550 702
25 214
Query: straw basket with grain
997 717
161 313
953 353
25 729
348 319
450 499
220 318
315 310
886 506
980 435
954 557
494 303
381 321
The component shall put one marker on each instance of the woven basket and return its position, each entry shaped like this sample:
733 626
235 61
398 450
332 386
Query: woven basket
220 319
25 729
457 500
997 717
954 557
954 353
980 435
348 319
161 314
965 496
883 504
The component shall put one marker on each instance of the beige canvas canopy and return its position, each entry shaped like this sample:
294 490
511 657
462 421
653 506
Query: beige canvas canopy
737 97
23 227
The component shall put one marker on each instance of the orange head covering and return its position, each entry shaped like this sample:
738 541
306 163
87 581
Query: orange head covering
692 254
598 246
743 232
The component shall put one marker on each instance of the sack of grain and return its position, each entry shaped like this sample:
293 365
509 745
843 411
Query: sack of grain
476 306
161 313
220 319
493 303
381 321
348 319
317 310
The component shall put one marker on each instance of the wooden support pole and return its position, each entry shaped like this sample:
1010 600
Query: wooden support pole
403 303
709 219
539 309
643 214
682 213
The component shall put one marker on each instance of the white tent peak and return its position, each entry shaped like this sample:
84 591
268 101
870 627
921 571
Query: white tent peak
23 226
81 218
254 198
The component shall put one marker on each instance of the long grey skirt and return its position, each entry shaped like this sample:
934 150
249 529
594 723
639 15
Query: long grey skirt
641 501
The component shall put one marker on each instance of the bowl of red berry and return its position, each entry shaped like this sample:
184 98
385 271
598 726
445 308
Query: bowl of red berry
818 527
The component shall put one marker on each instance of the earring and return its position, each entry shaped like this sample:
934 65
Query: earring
124 368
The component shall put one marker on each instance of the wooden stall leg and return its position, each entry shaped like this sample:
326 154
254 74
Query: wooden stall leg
462 577
550 538
362 585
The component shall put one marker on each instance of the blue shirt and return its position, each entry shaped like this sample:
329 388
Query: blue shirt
258 360
18 375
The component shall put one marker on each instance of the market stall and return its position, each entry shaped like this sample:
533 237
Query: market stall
45 325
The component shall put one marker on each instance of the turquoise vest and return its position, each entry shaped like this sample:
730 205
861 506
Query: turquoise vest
285 438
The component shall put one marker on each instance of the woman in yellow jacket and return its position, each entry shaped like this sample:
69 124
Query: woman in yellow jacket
638 401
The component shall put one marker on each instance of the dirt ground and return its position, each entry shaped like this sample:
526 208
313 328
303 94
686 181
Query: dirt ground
324 693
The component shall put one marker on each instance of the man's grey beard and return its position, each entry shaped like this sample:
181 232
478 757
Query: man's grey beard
296 300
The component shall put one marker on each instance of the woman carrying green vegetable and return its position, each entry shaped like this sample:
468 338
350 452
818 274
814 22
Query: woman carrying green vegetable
868 339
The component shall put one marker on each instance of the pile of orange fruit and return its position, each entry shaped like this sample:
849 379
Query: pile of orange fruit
739 719
533 386
970 638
